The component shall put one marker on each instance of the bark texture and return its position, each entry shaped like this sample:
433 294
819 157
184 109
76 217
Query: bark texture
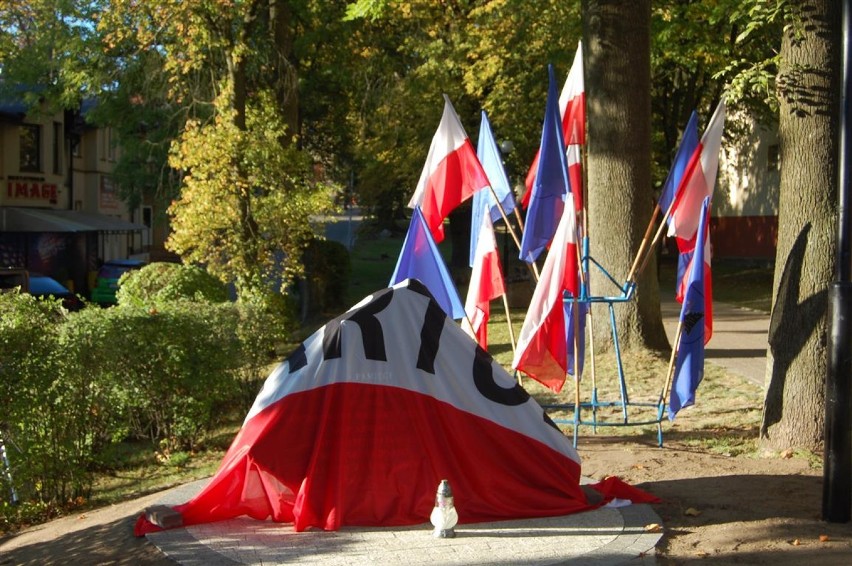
618 85
808 88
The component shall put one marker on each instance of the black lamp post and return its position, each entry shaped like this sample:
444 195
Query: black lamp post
507 147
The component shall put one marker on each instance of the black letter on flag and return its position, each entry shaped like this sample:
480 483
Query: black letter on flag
297 360
430 337
371 329
483 378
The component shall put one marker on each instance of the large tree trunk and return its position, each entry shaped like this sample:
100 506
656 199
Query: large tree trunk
618 81
808 87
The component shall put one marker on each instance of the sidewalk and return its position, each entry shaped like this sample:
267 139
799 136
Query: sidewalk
739 340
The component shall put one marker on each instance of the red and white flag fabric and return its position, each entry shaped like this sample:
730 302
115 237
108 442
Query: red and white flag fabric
542 350
572 108
698 181
451 175
486 283
362 422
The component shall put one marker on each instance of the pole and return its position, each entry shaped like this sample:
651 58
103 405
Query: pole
7 471
644 244
837 458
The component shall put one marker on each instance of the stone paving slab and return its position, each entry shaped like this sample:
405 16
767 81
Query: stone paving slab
602 536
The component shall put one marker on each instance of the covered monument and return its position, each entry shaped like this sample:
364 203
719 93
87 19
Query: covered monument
362 422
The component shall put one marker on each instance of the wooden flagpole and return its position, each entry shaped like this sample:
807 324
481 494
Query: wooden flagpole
532 266
511 332
633 271
644 244
509 321
670 373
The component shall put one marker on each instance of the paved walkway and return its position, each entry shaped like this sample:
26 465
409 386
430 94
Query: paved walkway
600 537
739 340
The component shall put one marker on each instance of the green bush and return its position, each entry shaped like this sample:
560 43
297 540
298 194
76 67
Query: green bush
73 385
162 282
45 416
163 369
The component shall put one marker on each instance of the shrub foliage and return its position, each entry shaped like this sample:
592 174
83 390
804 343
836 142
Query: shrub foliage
164 365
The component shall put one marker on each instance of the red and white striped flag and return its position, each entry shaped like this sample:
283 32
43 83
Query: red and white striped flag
451 175
542 349
486 283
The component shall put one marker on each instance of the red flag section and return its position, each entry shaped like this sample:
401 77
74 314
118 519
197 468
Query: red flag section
486 283
451 175
542 350
361 423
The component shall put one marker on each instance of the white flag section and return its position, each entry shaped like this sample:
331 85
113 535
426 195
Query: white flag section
362 422
572 102
486 284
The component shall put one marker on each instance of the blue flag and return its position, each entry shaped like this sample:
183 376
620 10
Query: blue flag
420 259
689 365
551 183
492 161
685 151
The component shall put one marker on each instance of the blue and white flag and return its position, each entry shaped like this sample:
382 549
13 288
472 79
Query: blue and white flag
694 315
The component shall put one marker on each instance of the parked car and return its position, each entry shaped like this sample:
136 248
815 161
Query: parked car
109 273
39 285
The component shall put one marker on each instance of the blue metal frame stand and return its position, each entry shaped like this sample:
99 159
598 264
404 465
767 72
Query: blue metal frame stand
594 404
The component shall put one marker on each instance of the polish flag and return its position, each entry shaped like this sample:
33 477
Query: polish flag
698 181
542 349
572 107
575 174
451 175
486 283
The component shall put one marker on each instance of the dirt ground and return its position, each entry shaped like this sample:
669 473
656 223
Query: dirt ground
716 509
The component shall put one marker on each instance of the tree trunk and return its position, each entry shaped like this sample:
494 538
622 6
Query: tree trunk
285 83
620 197
808 87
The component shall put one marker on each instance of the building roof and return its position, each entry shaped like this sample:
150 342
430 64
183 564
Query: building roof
19 219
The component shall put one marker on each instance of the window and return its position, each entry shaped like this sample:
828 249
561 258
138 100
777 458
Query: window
30 148
107 146
148 221
57 148
773 157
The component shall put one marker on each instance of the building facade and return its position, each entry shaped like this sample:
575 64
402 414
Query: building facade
744 221
60 213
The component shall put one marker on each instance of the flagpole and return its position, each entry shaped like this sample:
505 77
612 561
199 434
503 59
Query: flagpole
532 266
642 246
670 373
509 321
656 238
